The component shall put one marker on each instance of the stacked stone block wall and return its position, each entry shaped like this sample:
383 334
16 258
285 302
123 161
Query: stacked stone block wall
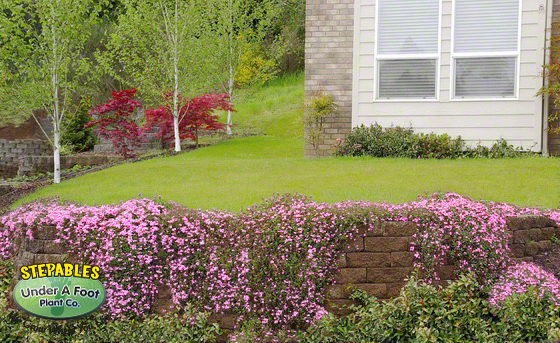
34 165
377 261
11 151
380 260
328 66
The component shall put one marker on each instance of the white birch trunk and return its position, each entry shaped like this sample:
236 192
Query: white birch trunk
230 60
56 115
176 111
56 143
175 42
230 92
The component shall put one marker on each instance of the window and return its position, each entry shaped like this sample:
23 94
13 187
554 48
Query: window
485 51
407 49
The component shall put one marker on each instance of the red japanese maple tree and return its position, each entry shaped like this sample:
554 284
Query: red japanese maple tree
115 121
195 115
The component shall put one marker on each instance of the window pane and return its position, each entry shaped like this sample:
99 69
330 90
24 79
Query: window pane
408 26
414 79
487 77
486 25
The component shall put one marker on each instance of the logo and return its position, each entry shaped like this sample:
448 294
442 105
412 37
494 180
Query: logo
59 290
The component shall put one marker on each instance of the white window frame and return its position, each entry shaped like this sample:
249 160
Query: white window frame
378 57
455 55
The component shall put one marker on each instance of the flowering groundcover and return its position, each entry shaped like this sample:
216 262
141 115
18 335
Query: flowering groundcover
269 263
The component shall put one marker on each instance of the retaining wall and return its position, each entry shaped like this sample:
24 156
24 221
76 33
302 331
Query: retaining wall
378 261
34 165
12 150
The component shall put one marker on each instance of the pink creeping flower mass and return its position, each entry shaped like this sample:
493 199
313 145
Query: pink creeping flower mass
272 262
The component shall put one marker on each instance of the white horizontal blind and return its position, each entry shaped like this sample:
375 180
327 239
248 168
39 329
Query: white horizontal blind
485 76
486 25
408 79
407 49
486 48
408 26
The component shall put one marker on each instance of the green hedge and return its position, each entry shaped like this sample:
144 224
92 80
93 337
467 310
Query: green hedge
377 141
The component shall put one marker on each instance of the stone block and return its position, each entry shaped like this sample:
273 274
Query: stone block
394 289
399 229
387 244
532 249
163 306
547 233
517 250
50 258
341 260
225 321
526 235
46 233
351 275
388 275
529 222
545 246
402 259
339 307
445 272
370 260
378 290
356 244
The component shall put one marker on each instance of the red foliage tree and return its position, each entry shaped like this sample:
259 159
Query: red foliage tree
115 121
194 115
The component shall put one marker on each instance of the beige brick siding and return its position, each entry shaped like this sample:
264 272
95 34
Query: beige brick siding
554 139
328 65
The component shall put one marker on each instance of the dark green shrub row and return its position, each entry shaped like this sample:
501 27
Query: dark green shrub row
377 141
456 313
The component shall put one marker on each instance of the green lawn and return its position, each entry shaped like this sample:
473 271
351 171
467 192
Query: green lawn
236 173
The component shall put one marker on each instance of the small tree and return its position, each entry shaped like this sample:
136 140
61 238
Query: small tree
194 115
42 60
160 46
319 108
116 121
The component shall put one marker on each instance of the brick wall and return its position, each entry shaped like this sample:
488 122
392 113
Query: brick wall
328 65
377 261
11 151
554 139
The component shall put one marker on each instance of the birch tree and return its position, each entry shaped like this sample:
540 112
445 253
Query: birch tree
159 47
41 60
229 20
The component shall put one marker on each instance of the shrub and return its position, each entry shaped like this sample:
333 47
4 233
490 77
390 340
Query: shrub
76 136
195 115
255 67
377 141
116 122
319 108
425 313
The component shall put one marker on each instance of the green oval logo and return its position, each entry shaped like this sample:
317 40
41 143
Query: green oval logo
59 297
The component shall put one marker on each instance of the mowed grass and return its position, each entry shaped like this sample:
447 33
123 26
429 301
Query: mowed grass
237 173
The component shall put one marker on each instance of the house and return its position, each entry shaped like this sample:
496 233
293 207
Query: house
463 67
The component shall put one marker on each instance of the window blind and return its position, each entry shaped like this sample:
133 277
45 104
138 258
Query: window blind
408 26
486 25
410 78
485 77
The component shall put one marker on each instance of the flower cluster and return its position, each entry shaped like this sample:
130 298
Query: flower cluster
522 277
270 263
454 229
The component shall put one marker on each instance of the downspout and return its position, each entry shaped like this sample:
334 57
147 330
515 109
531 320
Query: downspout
548 36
